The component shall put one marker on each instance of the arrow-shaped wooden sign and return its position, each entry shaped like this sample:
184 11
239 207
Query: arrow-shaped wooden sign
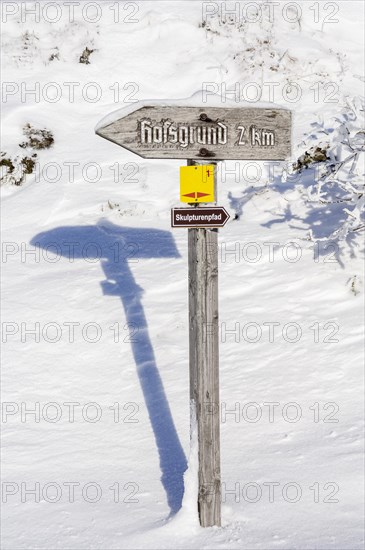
179 132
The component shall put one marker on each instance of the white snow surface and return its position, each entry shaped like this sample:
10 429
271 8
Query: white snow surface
123 289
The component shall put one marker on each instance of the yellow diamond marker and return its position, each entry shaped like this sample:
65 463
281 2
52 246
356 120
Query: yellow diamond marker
197 183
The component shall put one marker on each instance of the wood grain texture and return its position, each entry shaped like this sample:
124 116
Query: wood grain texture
272 126
204 367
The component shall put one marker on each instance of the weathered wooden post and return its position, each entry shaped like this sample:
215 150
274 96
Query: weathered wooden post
205 135
204 366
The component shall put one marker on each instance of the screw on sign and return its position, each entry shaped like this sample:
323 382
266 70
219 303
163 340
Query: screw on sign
204 136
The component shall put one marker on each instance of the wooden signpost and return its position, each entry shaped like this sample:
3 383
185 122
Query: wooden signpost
204 136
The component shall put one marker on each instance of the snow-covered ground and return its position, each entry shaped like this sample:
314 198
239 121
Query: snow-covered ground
91 265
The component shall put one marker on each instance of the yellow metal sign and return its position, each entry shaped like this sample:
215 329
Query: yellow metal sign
197 183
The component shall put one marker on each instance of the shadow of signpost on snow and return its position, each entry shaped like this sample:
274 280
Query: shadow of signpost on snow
114 246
